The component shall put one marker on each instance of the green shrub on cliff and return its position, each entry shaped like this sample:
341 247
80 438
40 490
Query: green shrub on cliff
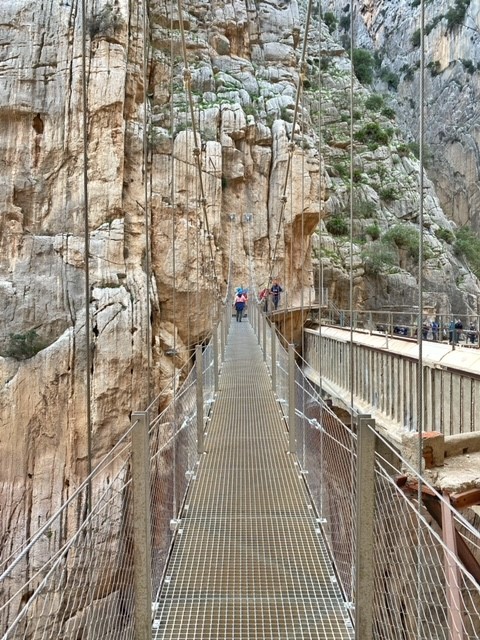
467 244
22 346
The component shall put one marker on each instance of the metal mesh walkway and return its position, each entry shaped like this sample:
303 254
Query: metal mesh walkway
249 561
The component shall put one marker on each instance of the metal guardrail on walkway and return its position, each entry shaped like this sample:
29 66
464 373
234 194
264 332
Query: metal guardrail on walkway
385 374
249 560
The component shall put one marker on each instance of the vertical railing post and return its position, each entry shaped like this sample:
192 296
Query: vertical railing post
264 336
199 365
142 552
364 565
215 358
291 399
228 319
274 357
222 337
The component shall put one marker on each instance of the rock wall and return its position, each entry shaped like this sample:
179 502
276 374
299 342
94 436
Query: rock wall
240 192
42 249
193 238
452 87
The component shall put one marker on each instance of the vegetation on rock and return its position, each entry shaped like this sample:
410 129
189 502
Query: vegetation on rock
22 346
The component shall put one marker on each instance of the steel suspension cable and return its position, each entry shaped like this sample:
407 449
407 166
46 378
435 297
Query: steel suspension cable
302 205
86 216
174 310
217 297
420 322
197 237
302 266
291 255
350 286
229 274
291 144
146 198
350 298
420 216
252 284
187 227
187 78
320 259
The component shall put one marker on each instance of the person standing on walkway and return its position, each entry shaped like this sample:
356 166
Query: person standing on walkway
472 333
276 290
264 298
451 331
240 301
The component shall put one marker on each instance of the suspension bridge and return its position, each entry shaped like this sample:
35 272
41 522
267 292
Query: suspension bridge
247 509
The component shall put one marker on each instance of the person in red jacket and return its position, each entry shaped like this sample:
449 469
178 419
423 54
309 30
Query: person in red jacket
264 293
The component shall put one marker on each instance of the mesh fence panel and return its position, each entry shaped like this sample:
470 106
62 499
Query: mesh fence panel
414 594
282 377
268 343
173 445
326 450
75 577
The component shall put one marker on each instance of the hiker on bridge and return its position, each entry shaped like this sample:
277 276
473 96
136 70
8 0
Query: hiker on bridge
240 302
276 290
264 293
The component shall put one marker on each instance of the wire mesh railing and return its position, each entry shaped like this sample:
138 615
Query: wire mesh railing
173 454
282 377
414 597
74 578
326 450
422 586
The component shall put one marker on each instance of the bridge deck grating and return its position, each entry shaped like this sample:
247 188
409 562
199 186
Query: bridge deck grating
249 561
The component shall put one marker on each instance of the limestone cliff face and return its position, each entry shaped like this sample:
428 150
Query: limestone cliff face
195 238
214 203
452 86
42 249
